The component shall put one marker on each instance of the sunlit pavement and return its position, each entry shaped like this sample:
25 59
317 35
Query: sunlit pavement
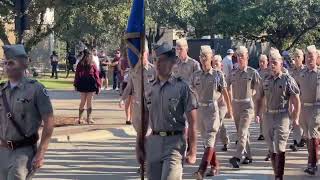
114 159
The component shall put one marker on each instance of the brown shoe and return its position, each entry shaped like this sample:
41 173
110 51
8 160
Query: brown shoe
206 159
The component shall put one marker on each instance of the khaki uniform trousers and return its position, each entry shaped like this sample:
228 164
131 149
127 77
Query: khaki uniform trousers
223 131
310 121
276 128
16 164
243 115
165 156
208 123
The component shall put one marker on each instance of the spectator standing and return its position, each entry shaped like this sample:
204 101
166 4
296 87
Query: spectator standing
87 82
71 60
227 62
104 63
54 60
96 58
116 71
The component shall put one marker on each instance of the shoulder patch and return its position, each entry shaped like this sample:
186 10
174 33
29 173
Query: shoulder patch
45 92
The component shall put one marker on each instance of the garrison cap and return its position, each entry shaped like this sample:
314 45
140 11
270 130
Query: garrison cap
205 50
242 50
13 52
162 49
311 49
298 52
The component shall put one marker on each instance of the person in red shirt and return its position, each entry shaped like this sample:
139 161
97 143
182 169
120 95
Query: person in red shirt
87 82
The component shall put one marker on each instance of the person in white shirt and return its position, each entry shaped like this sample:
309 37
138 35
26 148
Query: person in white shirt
96 59
227 62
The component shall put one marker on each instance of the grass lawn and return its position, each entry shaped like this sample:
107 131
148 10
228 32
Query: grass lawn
57 84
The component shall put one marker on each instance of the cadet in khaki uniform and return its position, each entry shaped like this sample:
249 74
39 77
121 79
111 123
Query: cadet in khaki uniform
24 104
217 65
275 92
169 100
241 82
309 81
185 66
297 131
134 88
209 84
263 71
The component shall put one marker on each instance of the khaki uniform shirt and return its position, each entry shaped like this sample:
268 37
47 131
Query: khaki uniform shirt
167 104
243 82
309 82
134 82
277 91
29 103
264 73
208 85
295 72
184 69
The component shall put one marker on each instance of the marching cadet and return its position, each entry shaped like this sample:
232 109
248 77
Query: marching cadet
24 105
263 71
297 131
241 83
275 92
309 81
209 84
217 65
185 65
170 98
133 89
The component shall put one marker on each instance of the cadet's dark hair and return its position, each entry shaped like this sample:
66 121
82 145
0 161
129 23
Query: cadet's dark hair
86 60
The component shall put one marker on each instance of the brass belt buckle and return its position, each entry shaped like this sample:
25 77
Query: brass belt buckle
163 134
10 144
9 115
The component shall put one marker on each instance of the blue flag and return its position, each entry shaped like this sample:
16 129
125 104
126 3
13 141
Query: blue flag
135 32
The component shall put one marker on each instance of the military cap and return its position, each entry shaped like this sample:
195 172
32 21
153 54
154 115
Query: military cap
182 42
217 58
311 49
298 52
230 51
263 57
162 49
242 49
205 50
13 52
275 54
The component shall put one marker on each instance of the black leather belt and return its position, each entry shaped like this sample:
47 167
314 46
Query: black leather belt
30 141
167 133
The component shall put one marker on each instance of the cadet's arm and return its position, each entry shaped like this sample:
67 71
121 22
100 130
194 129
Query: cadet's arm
295 100
229 93
227 99
46 133
192 131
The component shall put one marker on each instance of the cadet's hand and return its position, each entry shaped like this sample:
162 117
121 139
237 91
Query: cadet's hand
38 160
296 122
258 119
121 103
191 158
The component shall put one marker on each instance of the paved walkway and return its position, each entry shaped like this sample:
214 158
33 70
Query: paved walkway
109 154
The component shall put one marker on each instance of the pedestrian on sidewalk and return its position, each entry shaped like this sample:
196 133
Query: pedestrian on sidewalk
71 60
209 84
116 70
273 97
104 63
87 82
168 102
25 105
54 60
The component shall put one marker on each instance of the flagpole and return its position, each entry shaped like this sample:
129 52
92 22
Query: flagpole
143 128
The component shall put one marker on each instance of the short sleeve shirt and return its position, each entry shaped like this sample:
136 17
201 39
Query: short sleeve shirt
208 85
243 82
184 69
168 102
309 83
277 91
29 102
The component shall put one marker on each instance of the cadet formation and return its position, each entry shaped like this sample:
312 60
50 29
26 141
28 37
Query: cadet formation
181 98
184 97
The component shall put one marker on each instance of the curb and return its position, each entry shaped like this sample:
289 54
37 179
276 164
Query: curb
109 133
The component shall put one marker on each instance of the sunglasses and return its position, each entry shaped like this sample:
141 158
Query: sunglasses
9 63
